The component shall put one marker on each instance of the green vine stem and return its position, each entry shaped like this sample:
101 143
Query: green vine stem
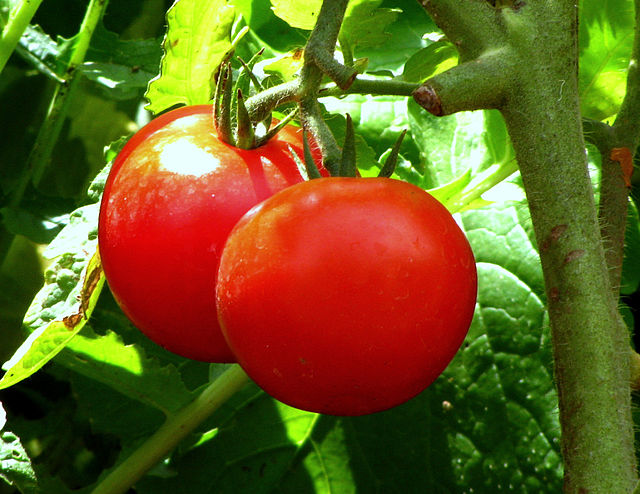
19 19
318 61
52 125
49 132
536 90
617 164
260 104
174 430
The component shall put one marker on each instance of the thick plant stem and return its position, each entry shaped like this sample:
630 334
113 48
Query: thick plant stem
538 97
174 430
590 340
591 352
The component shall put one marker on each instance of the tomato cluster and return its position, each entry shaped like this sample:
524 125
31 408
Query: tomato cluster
174 193
337 295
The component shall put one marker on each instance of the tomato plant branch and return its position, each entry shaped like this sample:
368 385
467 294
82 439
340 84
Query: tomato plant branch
174 430
260 104
375 87
538 98
617 165
318 60
19 19
50 130
617 144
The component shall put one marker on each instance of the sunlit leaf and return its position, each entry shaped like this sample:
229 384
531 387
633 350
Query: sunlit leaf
198 38
435 58
301 14
127 369
17 469
73 282
59 311
364 23
606 37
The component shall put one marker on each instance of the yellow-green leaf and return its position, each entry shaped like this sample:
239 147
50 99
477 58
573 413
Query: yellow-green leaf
197 40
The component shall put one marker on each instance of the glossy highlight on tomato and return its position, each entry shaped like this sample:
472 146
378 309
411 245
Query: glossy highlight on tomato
173 194
346 296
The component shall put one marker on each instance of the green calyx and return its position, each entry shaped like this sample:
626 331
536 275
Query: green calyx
231 119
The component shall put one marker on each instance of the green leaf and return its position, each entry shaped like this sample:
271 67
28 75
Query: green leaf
631 264
450 145
365 24
285 66
16 466
112 413
32 225
606 38
406 36
197 40
427 62
63 305
301 14
118 82
126 369
41 51
59 311
256 440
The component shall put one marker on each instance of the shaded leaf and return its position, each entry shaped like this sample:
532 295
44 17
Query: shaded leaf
32 225
365 24
631 264
256 440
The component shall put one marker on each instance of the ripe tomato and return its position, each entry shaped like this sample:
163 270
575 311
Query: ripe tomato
346 296
173 194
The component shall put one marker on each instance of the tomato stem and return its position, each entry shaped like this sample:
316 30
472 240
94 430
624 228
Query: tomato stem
19 19
536 88
174 430
222 105
245 135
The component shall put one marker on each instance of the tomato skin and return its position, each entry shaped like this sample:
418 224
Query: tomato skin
346 296
174 193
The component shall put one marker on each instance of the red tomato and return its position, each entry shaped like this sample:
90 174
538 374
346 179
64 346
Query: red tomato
346 296
173 194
